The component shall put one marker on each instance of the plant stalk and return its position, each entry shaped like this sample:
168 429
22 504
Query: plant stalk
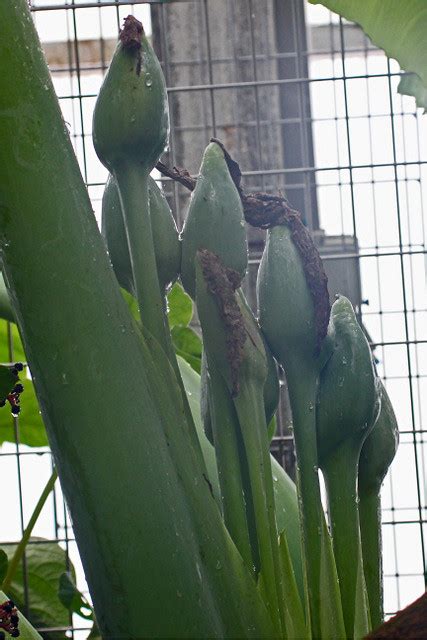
302 385
250 409
340 472
20 549
133 188
370 530
224 426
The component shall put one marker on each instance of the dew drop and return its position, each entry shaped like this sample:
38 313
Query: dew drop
148 80
218 565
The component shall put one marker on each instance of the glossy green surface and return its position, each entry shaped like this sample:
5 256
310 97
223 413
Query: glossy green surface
156 555
379 448
167 246
131 118
347 403
214 220
285 305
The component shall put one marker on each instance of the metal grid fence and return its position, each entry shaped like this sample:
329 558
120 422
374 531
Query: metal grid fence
307 106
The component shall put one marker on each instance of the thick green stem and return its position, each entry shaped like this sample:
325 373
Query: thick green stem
250 409
224 426
370 530
133 187
157 557
340 473
132 181
302 385
20 549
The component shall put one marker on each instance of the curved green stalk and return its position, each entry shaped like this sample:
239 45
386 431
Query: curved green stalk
370 529
132 182
20 549
302 386
340 471
250 410
224 426
133 187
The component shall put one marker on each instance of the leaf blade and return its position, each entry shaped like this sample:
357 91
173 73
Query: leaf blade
397 27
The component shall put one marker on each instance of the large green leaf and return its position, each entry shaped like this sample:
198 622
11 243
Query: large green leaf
397 27
45 563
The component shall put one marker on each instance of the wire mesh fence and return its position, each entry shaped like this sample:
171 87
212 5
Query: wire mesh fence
309 108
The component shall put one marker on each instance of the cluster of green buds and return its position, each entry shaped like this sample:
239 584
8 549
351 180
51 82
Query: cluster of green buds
197 539
333 389
339 409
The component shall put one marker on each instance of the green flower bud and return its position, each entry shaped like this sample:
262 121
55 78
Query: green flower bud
214 220
348 399
131 120
286 307
379 448
167 246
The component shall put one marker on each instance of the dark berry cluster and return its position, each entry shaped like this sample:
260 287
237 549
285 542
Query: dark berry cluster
13 397
9 619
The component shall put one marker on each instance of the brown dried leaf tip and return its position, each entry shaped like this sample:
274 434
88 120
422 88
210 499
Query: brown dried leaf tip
131 33
222 283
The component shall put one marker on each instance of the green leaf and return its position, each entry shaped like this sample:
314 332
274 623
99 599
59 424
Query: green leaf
331 614
3 565
362 619
26 630
191 382
132 303
6 310
188 345
294 612
410 85
45 563
397 27
17 354
7 381
180 307
32 431
284 489
72 599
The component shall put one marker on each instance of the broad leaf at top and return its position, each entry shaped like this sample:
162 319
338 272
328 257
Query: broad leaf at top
397 27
